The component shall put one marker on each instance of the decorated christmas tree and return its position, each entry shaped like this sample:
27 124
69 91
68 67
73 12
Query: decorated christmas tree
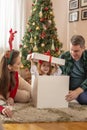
41 32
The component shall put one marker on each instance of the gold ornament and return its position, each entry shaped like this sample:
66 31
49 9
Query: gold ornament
40 14
37 28
35 48
33 23
44 27
52 47
35 37
50 21
25 46
42 45
51 13
21 67
31 40
34 9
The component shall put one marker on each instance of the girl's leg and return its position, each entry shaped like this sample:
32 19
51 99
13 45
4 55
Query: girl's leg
82 98
23 92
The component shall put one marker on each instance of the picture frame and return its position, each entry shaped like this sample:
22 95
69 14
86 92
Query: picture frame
73 4
83 3
73 16
84 14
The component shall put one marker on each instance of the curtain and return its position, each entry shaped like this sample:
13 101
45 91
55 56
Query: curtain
12 15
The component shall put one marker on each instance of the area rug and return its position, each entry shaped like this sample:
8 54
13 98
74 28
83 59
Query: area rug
25 113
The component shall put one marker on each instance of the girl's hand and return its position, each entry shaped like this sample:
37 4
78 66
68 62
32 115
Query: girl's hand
7 112
54 69
10 101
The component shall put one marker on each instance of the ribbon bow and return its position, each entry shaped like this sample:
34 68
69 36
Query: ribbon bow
48 54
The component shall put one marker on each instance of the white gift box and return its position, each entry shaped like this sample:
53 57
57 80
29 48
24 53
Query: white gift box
49 91
53 60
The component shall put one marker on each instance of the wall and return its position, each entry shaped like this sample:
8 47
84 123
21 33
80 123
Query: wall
78 27
60 13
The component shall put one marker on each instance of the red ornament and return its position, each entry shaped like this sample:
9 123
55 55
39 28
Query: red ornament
32 4
46 8
43 35
20 46
30 30
42 19
56 49
55 29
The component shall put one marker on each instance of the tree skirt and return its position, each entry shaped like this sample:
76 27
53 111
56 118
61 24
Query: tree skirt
25 113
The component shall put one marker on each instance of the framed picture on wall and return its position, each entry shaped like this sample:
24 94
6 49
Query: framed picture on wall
73 16
73 4
83 3
84 14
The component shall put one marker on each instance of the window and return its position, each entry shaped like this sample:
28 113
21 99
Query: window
11 16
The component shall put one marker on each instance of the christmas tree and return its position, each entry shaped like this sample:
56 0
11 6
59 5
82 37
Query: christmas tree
41 33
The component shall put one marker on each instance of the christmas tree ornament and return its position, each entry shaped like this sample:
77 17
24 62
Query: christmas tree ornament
25 46
52 47
35 47
46 8
51 12
43 35
31 40
37 28
34 9
40 13
56 49
20 46
33 4
42 44
44 27
33 23
42 19
22 66
49 21
35 37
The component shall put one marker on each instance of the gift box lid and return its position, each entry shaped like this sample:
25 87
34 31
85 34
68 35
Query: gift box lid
48 58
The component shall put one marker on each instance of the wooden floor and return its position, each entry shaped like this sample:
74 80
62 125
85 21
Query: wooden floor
47 126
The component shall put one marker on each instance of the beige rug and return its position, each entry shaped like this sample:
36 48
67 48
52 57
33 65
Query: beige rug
24 113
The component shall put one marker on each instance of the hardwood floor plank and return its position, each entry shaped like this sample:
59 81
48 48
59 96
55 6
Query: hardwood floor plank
47 126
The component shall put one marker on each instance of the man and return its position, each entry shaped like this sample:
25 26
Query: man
76 68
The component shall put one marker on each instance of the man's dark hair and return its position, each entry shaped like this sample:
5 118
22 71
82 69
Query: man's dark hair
78 40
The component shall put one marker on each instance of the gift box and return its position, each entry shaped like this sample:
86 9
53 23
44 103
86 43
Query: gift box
48 58
49 91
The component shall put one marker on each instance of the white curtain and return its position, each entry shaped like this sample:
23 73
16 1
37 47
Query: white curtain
12 15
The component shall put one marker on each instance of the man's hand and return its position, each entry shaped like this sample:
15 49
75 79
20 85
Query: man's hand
74 94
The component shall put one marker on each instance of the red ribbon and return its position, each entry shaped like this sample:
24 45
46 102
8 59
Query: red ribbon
48 54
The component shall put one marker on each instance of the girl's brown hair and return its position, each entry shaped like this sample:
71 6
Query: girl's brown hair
7 78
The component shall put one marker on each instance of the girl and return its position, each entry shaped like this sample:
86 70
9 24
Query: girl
44 68
11 87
